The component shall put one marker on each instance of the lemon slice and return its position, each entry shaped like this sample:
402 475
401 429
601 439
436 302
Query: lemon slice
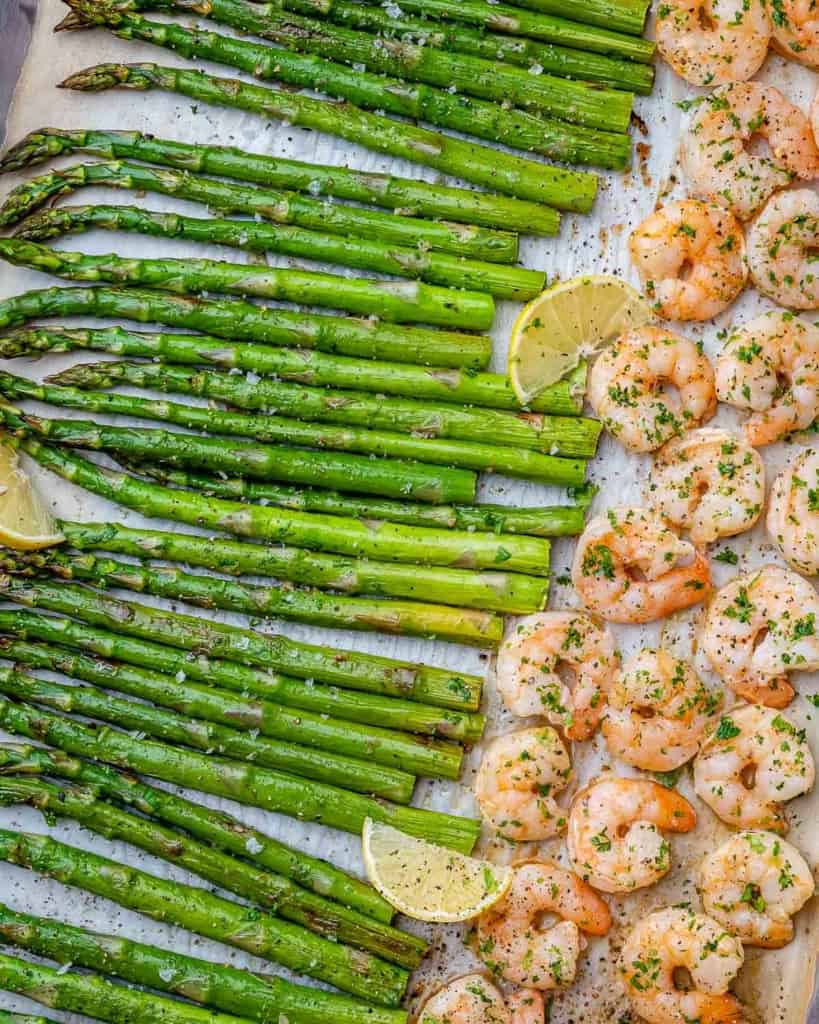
429 882
25 523
570 320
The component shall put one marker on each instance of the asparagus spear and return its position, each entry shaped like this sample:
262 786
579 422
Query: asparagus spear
381 746
406 196
496 170
354 224
351 408
564 436
317 765
436 268
622 15
474 628
276 895
235 780
263 998
368 709
22 1018
360 474
243 320
215 828
389 542
399 301
559 140
576 102
351 669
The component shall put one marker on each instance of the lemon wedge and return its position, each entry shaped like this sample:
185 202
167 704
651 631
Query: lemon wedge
25 522
573 319
429 882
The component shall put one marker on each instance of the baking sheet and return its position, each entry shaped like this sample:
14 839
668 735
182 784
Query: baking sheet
778 983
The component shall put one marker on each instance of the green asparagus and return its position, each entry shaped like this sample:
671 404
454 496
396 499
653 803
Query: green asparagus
496 170
22 1018
367 709
215 828
622 15
275 895
406 196
235 780
344 773
510 126
380 746
260 997
437 268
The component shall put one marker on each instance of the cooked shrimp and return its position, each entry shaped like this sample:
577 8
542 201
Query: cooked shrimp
716 155
753 885
657 713
675 938
708 482
473 999
626 567
782 244
709 42
759 627
771 367
691 258
796 31
530 656
520 775
517 945
793 512
615 835
754 762
650 386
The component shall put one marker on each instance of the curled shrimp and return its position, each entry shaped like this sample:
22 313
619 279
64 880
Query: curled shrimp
753 763
626 567
473 999
793 512
650 386
708 482
675 938
717 157
796 31
770 366
753 885
691 258
759 627
709 42
658 711
517 945
519 776
528 662
615 836
782 243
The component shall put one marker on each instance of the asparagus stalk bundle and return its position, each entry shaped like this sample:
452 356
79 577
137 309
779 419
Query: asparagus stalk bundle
474 628
399 301
408 197
350 408
347 773
235 780
519 129
259 997
351 669
243 320
354 224
391 713
436 268
576 102
388 542
215 828
275 895
567 436
496 170
395 750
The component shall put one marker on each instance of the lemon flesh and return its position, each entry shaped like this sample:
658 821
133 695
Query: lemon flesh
25 522
573 319
429 882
